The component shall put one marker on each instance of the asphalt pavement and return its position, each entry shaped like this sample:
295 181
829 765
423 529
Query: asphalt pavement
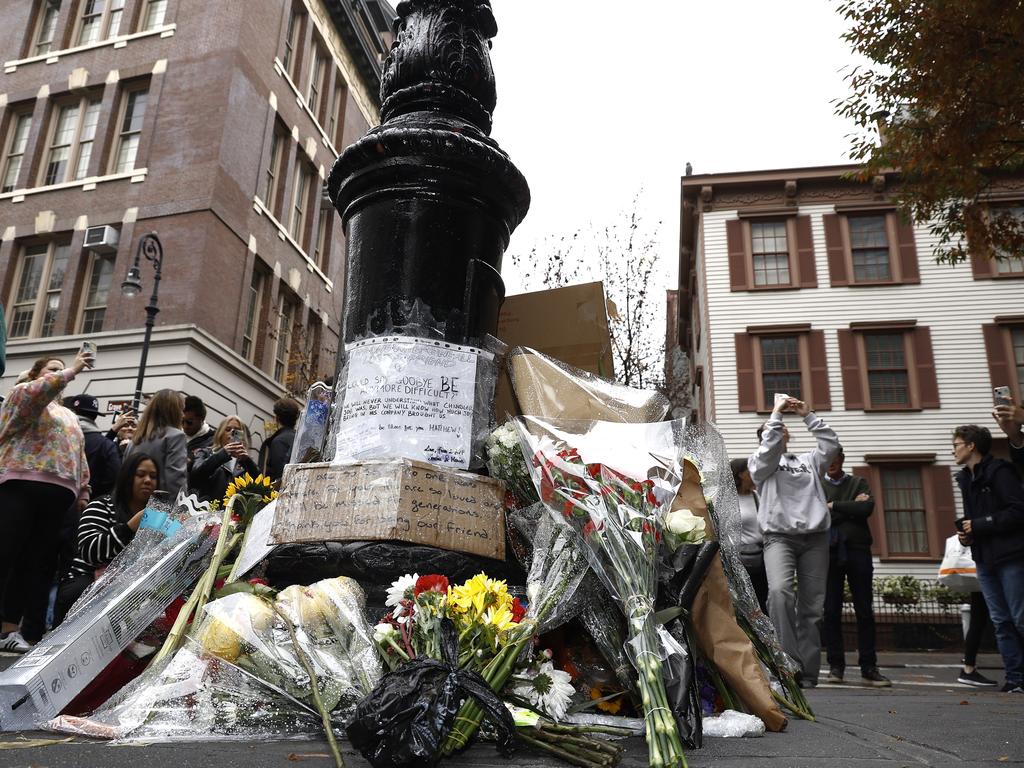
925 719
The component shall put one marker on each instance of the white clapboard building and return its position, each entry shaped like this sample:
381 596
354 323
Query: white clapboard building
808 282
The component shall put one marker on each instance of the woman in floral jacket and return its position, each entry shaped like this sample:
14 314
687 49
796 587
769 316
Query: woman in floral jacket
43 472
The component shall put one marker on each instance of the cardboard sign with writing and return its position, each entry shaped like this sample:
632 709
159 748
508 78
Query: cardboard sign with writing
404 500
569 323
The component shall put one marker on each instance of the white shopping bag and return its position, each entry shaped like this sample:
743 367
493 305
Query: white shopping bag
957 570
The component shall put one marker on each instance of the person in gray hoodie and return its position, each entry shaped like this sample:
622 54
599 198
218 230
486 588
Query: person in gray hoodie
794 517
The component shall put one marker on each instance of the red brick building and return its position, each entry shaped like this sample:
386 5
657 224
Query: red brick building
212 124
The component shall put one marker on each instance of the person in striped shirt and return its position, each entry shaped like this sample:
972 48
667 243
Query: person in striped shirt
106 527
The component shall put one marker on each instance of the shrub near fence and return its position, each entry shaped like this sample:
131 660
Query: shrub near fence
911 614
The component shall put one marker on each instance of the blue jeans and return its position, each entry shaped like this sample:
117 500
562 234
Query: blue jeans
1003 588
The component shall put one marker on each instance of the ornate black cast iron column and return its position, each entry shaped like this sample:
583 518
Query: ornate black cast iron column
428 200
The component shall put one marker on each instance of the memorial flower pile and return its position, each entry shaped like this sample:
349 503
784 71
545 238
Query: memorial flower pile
621 518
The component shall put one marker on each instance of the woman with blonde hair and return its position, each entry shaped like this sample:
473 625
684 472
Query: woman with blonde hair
227 458
43 472
158 434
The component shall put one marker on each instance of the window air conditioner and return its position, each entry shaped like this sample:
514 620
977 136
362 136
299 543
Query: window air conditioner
102 239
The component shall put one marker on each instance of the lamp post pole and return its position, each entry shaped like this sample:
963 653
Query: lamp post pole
150 247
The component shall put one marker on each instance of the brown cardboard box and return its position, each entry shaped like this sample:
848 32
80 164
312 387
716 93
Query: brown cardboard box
402 500
570 324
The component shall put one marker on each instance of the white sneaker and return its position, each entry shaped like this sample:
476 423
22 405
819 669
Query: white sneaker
13 642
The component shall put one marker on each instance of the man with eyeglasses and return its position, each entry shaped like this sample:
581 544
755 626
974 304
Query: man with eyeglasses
993 526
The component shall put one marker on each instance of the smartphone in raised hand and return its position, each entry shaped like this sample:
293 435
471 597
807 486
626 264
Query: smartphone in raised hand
88 348
1001 396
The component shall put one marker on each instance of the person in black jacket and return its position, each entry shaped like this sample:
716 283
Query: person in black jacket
850 504
277 450
993 526
227 458
100 453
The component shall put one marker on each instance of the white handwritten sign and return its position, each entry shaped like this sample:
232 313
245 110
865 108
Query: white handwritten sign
402 500
408 398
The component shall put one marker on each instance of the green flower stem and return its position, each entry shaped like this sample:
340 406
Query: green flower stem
395 646
561 753
314 684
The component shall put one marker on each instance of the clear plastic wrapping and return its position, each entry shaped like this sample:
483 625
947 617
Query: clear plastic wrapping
155 568
328 625
549 388
311 430
612 483
417 398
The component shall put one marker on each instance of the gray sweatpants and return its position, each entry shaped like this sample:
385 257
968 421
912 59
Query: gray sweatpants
800 561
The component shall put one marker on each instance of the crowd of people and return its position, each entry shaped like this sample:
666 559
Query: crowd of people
73 495
806 536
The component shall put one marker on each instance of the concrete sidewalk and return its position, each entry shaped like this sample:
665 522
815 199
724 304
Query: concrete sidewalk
925 719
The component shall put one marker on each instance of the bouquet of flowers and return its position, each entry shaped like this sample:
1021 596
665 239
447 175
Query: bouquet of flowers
490 626
617 499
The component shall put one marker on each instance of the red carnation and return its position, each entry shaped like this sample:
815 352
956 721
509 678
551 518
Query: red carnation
518 611
431 583
567 509
651 499
594 470
590 528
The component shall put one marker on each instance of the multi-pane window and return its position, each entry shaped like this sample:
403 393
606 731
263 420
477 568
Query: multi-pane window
869 246
36 299
316 74
71 142
283 348
156 14
770 248
130 130
1011 263
336 113
322 238
780 367
274 180
291 42
49 14
906 528
18 139
101 274
888 378
252 314
1017 339
100 20
300 203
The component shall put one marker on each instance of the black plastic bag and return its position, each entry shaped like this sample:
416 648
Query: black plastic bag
679 579
405 719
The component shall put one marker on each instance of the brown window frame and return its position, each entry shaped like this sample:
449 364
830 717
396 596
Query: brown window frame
999 352
43 290
335 128
38 46
287 309
301 218
274 174
253 309
799 246
316 96
85 307
938 498
813 366
14 122
148 15
83 103
900 241
918 352
291 58
105 17
983 265
121 134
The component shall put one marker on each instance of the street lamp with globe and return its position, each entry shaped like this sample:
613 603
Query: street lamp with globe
150 247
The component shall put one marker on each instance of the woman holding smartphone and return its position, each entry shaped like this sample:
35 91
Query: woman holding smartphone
227 458
43 472
159 435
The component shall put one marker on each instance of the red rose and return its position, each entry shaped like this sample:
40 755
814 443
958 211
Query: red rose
431 583
594 470
261 582
651 499
518 611
567 509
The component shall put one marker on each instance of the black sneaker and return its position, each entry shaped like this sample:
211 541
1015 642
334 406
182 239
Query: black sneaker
976 679
835 675
875 678
1012 688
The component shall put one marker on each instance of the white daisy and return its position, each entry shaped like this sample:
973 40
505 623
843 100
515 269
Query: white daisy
401 589
549 690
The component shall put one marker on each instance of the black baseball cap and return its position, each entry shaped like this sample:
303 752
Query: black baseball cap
83 405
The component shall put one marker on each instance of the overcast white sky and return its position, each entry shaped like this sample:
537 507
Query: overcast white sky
596 100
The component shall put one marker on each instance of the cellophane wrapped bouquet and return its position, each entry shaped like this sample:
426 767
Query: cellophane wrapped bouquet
613 484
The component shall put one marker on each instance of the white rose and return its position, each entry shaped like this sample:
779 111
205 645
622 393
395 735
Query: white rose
684 523
382 632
